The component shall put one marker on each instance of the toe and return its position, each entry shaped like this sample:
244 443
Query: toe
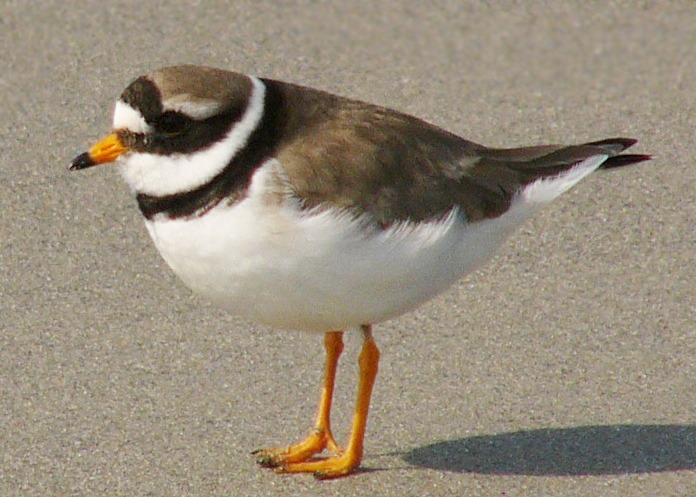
323 469
266 458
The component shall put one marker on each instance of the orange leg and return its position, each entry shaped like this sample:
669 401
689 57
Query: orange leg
342 464
321 437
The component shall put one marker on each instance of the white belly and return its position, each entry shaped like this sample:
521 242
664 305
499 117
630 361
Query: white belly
318 273
326 271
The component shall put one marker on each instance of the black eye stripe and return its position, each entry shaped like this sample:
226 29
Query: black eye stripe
172 122
194 136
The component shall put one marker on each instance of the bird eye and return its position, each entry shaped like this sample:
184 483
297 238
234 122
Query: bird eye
172 123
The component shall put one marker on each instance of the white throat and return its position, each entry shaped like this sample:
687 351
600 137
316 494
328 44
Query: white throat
160 175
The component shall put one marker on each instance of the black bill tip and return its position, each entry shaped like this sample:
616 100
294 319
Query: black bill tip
82 161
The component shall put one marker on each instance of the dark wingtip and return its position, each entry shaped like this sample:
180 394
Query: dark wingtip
624 142
82 161
614 146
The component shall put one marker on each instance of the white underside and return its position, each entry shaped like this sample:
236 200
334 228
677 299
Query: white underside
321 271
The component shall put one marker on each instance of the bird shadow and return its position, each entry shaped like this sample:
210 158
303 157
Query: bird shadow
583 450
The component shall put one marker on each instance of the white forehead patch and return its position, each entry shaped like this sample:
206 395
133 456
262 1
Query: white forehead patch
197 109
126 117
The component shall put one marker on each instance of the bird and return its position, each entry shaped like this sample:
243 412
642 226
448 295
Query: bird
300 209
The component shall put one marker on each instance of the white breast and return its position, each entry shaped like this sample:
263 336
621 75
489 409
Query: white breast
322 271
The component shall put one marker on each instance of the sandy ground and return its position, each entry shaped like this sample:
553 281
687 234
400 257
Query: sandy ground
565 367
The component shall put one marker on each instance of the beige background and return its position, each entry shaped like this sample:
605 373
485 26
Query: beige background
565 367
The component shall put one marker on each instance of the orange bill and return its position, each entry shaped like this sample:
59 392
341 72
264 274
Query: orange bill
107 150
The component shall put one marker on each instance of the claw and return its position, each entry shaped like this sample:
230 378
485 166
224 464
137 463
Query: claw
264 459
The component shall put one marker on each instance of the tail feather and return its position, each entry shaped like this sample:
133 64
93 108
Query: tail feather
624 160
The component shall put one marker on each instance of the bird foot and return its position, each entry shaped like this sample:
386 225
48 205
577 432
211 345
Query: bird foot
324 469
283 457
